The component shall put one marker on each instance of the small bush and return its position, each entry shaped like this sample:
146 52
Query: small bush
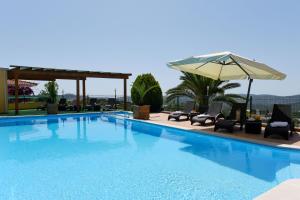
153 98
50 91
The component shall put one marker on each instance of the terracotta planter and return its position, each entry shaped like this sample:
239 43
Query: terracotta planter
141 112
52 108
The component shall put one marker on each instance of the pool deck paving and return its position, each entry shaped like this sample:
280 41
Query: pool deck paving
288 190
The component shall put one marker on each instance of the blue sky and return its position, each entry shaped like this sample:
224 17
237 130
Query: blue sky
142 36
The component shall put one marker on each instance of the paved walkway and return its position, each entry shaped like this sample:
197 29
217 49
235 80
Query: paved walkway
288 190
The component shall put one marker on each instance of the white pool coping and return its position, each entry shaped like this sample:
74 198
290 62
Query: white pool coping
267 143
60 114
287 190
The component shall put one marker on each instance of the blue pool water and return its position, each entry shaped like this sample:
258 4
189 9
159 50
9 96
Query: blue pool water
106 156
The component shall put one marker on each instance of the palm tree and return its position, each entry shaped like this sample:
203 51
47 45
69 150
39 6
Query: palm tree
199 88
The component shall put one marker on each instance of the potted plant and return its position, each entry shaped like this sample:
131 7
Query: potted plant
140 109
51 91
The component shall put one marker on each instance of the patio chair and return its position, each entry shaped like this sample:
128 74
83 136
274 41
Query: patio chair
93 106
281 122
62 104
111 104
75 108
213 113
236 117
189 106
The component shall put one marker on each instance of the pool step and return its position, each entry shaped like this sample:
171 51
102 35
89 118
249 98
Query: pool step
287 190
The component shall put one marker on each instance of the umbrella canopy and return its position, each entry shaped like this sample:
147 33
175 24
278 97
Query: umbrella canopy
226 66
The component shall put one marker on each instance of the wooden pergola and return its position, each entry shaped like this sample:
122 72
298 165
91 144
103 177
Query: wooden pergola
17 72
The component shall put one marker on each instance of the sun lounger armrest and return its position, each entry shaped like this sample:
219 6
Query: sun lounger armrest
269 121
220 115
292 126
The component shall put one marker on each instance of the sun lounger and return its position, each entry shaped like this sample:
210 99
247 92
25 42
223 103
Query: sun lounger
62 105
189 106
93 106
235 118
213 113
280 122
111 105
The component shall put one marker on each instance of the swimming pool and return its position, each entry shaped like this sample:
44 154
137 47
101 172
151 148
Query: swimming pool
107 156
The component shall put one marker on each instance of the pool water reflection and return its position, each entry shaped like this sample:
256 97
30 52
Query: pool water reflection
101 156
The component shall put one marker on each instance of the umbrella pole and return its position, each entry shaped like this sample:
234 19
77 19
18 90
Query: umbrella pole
248 95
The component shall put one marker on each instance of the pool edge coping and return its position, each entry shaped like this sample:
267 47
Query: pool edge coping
204 132
287 190
216 134
58 115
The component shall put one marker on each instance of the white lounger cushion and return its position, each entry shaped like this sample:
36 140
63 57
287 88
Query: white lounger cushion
178 112
279 124
203 115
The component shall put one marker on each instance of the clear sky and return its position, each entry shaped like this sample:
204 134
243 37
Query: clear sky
142 36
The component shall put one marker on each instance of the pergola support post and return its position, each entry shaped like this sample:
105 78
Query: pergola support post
83 94
77 96
16 94
125 94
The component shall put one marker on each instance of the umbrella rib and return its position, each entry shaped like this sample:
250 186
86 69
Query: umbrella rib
240 67
209 62
202 65
220 72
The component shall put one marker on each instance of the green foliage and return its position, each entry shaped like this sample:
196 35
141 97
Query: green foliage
146 91
142 92
51 91
198 87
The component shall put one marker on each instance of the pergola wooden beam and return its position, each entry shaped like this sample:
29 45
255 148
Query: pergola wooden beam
27 72
49 74
64 75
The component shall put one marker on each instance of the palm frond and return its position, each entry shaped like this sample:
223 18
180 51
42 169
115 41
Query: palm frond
142 92
228 86
225 99
198 87
237 96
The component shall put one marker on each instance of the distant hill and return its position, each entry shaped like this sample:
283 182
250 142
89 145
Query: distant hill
70 96
266 102
276 99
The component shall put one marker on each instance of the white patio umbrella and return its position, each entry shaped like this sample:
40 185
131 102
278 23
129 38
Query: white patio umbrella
227 66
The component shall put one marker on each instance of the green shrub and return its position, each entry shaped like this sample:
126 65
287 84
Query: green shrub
153 97
50 91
